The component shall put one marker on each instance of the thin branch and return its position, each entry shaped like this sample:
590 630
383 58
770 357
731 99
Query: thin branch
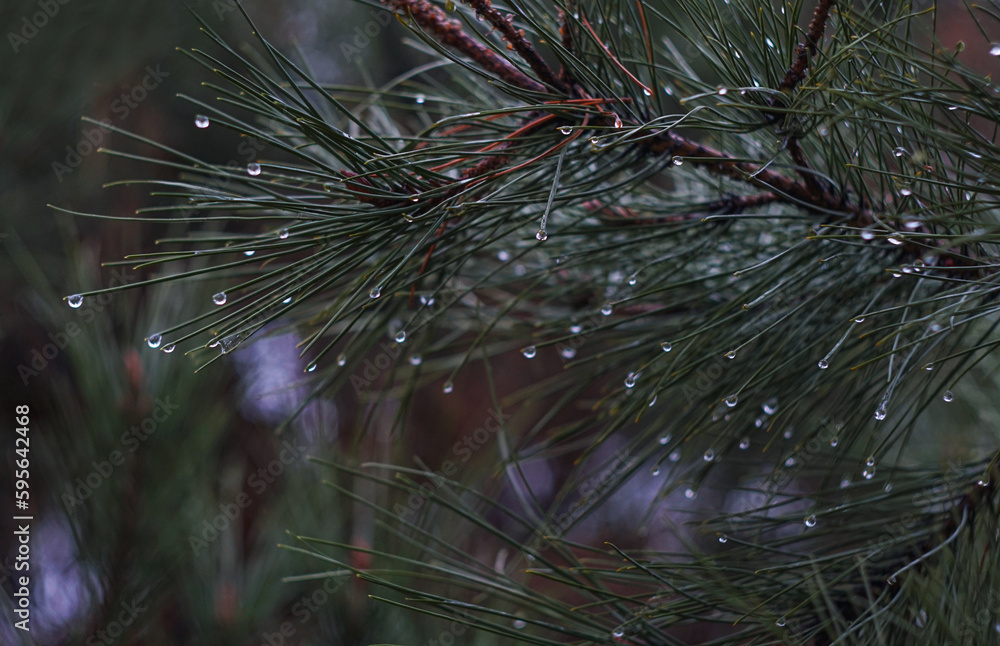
450 33
516 40
814 35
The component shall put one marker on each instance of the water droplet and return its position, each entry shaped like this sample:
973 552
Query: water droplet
541 235
745 443
995 50
652 401
948 396
311 368
607 308
667 346
529 352
674 456
770 407
74 301
283 234
888 487
567 352
880 412
646 91
810 520
787 434
677 161
868 473
723 91
575 328
416 360
731 354
342 360
906 192
170 347
790 462
731 400
632 279
867 234
723 538
655 472
253 169
503 256
709 455
448 387
328 187
201 121
823 364
690 493
834 441
859 319
400 336
618 122
287 300
220 298
665 439
420 98
618 633
154 341
899 151
566 130
894 240
630 380
375 292
249 252
780 623
519 624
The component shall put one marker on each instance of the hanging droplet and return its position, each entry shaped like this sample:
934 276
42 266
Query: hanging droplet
745 443
948 396
780 623
677 161
647 92
416 360
899 151
880 412
787 434
419 99
731 400
253 169
311 368
723 91
154 341
201 121
503 256
249 252
652 402
170 347
868 473
995 50
375 292
887 488
448 387
567 352
823 364
400 336
674 456
667 346
834 441
342 360
867 234
723 538
541 235
690 493
845 482
618 633
708 456
576 328
220 298
665 439
731 354
655 472
74 301
518 624
630 380
328 187
283 234
287 300
770 407
566 130
906 192
894 240
529 352
791 462
859 319
618 122
607 308
810 520
633 279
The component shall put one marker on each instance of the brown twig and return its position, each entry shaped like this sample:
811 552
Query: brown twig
517 41
814 35
449 32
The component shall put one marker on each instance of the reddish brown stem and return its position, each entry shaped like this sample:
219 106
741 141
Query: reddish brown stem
449 32
814 35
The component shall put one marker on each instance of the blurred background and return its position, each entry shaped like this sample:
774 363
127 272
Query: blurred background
159 494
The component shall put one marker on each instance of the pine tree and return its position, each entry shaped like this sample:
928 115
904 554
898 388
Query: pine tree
739 259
